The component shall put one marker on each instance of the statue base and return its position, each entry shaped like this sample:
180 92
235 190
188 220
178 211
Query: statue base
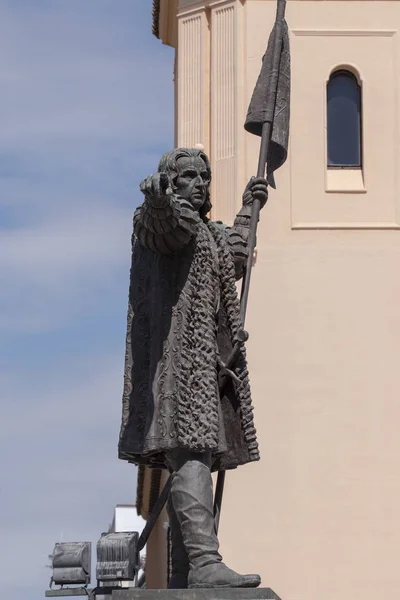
196 594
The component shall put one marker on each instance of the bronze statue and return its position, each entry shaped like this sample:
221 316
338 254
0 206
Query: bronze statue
183 320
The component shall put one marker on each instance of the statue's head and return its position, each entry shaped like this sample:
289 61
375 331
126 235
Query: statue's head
190 173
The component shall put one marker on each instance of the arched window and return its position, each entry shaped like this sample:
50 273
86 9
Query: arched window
344 120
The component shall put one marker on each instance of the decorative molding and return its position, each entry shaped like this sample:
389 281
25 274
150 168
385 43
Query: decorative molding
344 32
323 1
199 5
344 225
156 18
167 23
352 68
190 11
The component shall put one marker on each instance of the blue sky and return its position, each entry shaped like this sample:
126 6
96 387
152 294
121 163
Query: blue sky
86 110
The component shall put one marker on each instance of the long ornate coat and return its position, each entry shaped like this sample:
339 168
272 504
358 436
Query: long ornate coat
183 317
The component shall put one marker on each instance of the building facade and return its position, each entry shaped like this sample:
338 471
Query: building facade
319 515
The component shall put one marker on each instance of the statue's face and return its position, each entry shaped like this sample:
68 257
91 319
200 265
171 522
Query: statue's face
193 180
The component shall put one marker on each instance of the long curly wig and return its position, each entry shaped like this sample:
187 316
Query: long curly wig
168 163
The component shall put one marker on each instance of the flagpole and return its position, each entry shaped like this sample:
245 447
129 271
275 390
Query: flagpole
255 216
266 132
263 156
255 212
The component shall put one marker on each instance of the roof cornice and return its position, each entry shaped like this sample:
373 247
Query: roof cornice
156 18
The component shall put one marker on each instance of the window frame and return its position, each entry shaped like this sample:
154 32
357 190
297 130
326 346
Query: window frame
343 70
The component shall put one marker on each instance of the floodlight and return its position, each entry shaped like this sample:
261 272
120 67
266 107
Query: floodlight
117 556
71 563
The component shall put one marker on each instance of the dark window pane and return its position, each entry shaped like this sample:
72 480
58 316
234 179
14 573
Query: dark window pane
344 120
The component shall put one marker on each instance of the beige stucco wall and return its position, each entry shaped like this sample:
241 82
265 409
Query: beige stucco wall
319 516
156 550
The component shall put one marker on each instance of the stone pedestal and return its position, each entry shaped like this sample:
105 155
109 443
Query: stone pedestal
196 594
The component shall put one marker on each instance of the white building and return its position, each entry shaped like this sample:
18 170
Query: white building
126 518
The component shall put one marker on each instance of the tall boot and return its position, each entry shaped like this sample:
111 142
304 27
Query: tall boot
192 499
179 557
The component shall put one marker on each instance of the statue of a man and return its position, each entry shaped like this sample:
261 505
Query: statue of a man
183 320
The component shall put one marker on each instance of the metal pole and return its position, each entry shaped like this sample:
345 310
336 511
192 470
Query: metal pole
255 215
155 513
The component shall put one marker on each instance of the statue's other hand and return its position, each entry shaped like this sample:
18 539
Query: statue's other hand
256 188
157 187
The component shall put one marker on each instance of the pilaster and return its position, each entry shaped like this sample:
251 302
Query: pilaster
193 78
226 106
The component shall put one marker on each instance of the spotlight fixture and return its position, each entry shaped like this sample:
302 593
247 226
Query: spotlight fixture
71 562
117 557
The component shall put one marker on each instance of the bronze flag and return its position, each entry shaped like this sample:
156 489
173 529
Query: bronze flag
265 105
